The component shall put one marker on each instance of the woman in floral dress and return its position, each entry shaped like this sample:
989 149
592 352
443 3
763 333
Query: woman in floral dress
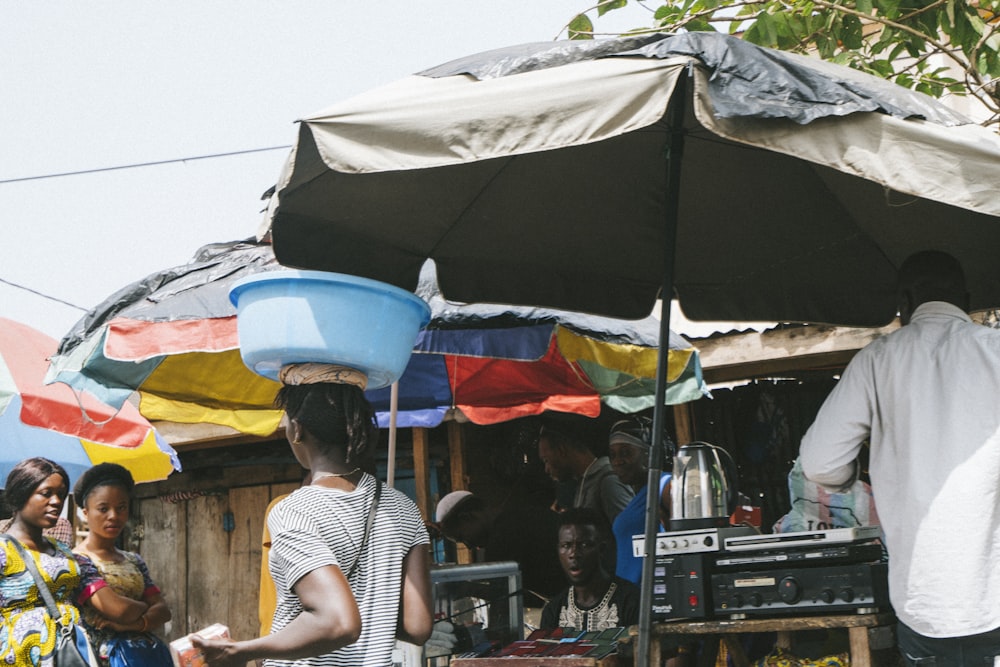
35 491
104 494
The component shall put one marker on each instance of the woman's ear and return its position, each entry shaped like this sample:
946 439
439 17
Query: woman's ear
294 432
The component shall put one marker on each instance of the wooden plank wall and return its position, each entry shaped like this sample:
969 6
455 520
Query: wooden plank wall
209 574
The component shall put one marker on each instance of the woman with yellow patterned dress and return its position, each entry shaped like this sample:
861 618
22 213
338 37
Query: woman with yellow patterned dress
35 492
104 494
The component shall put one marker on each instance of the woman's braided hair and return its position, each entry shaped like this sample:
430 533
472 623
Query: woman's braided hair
338 415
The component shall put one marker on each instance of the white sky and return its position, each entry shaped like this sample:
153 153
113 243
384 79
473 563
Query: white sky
89 85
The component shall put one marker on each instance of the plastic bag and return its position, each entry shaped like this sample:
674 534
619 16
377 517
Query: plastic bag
137 650
817 508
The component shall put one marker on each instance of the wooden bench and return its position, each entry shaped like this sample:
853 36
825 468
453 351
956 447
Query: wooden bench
858 628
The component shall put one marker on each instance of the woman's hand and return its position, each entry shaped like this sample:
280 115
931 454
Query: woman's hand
219 652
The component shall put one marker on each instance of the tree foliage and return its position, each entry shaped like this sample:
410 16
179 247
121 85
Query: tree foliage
933 46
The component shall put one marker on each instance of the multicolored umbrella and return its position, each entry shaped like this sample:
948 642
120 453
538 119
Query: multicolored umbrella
496 363
172 338
68 426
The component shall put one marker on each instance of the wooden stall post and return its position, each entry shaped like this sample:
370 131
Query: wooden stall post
683 424
456 454
421 472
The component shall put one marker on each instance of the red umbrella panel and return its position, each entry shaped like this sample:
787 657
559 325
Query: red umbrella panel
71 427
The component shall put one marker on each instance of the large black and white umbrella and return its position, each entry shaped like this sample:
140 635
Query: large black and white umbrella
594 176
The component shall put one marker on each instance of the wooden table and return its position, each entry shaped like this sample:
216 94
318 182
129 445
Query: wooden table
541 661
858 626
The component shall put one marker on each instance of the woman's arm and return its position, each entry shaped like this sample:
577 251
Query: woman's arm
116 608
329 620
415 622
154 617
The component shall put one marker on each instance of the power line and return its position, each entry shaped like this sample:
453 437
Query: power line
142 164
43 295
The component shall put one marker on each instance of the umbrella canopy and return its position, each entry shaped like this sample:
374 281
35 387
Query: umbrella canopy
172 338
69 427
537 174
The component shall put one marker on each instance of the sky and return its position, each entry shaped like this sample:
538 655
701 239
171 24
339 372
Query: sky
88 86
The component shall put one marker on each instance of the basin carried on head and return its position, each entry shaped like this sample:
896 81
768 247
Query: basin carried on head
287 317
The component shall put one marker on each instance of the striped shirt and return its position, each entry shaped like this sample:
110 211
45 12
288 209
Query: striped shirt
315 527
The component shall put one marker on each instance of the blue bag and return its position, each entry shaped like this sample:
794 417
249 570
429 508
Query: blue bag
137 650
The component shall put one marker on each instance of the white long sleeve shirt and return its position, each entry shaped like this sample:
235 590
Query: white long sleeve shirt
928 399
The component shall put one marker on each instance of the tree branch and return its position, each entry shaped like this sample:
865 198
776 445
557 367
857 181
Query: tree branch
942 48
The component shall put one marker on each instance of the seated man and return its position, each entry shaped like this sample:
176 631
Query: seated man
595 600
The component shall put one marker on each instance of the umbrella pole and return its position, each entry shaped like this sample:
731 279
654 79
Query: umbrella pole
675 148
393 413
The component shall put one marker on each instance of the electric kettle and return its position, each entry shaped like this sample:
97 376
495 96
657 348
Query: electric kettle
703 490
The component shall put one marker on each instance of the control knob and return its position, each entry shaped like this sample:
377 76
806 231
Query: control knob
756 600
827 595
789 590
847 595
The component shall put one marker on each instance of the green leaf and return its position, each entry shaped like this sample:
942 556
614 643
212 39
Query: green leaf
852 36
768 29
606 6
884 68
888 8
977 23
864 6
904 80
700 25
663 11
581 27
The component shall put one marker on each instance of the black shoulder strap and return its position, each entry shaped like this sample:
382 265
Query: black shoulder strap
43 589
368 525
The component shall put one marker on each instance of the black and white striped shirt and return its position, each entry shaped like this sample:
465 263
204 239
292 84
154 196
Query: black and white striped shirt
315 527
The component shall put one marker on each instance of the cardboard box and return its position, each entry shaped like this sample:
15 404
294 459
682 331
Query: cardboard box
184 652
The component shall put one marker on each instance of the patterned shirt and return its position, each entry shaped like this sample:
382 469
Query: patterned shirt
315 527
27 632
619 607
129 578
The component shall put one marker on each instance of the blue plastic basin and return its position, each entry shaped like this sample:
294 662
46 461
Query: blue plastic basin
286 317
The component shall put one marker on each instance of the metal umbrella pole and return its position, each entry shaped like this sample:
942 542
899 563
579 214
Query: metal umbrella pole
675 149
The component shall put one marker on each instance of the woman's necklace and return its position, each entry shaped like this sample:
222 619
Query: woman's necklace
322 475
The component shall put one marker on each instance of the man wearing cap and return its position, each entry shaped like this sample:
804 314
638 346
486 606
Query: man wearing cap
506 533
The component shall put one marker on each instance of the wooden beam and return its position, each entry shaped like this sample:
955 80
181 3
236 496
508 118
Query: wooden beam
215 479
456 454
459 478
683 424
190 437
778 351
421 472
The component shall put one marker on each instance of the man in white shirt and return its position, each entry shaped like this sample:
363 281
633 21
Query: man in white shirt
927 397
